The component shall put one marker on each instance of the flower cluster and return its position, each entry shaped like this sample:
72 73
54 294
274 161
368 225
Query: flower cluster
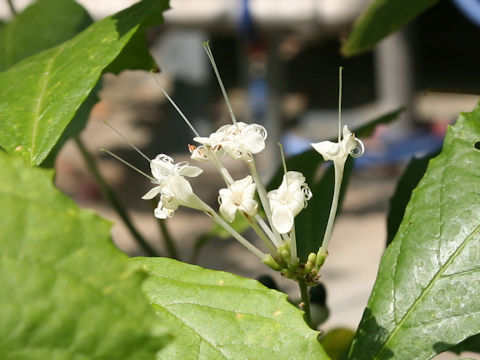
270 214
240 141
173 188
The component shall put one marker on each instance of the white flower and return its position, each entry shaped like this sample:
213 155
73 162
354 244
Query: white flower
239 141
238 196
173 188
338 152
288 200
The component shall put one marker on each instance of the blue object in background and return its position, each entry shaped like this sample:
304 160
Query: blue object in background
470 9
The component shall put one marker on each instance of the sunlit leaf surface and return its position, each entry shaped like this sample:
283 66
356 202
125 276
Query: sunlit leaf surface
425 299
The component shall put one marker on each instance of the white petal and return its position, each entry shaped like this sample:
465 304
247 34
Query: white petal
183 193
217 139
225 193
191 171
249 191
228 210
162 166
160 214
152 193
202 140
249 206
274 198
282 219
252 141
293 177
329 150
297 200
348 142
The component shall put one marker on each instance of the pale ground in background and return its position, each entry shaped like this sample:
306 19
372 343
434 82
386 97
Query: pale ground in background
358 238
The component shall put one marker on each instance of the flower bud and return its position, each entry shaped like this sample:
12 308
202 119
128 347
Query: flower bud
270 262
321 256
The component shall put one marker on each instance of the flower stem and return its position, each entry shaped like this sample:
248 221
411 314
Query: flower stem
112 198
235 234
218 164
268 243
262 193
305 300
293 245
333 209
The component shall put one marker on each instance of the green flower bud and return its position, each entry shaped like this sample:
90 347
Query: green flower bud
270 262
321 256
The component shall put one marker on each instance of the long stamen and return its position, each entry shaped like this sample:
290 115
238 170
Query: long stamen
340 69
214 65
127 163
176 107
218 164
127 141
283 158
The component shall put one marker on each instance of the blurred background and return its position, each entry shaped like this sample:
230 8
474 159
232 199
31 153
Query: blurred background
279 61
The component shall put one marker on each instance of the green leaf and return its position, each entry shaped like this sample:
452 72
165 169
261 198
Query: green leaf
66 291
336 342
21 38
40 27
425 299
217 315
41 94
407 183
381 18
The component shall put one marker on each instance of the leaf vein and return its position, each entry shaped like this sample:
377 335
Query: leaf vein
39 105
430 285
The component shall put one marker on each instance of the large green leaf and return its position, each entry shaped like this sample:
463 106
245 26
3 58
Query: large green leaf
425 299
66 291
41 94
381 18
217 315
44 24
22 38
407 183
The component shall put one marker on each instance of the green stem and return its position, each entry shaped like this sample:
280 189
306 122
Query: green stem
171 248
235 234
305 300
112 198
268 243
12 7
